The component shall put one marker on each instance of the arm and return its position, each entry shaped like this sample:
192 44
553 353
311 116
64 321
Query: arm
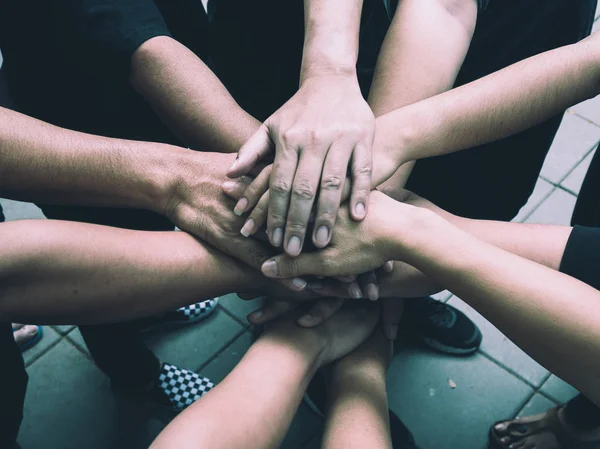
58 272
323 131
188 96
254 405
43 163
421 56
357 394
493 107
550 315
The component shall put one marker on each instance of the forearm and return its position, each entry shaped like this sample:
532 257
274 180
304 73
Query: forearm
420 57
64 272
550 315
331 37
493 107
188 97
254 405
357 415
43 163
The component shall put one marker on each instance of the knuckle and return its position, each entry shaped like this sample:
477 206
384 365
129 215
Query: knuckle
363 170
290 136
304 190
327 216
275 218
331 182
296 227
280 187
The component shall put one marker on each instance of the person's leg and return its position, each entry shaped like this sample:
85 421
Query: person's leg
12 387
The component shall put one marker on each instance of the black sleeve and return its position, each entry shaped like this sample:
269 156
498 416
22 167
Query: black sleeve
581 259
102 35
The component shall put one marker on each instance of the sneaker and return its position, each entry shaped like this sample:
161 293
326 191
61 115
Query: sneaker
316 397
183 316
441 326
178 388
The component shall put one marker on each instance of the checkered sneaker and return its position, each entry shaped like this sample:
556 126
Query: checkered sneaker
181 386
197 311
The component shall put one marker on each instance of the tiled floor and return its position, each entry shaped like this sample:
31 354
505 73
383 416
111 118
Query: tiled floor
69 402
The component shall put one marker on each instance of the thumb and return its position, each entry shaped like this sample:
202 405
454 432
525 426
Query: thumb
283 266
254 150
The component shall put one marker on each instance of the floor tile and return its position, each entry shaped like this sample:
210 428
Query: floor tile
574 180
239 307
64 329
16 210
558 390
76 338
540 193
496 345
420 393
192 346
49 338
220 367
588 110
69 404
536 405
573 141
556 209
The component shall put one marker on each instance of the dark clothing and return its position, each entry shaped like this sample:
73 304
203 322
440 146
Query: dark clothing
582 261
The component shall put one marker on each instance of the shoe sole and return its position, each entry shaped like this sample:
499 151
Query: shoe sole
436 345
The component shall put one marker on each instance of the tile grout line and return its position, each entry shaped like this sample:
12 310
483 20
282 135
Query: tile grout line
235 318
221 350
510 370
45 351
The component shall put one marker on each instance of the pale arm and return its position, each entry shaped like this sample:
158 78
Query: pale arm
64 272
493 107
421 56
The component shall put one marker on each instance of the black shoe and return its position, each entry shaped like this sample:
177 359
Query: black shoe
316 398
441 326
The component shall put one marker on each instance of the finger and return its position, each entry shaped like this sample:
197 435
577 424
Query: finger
258 217
282 266
234 189
330 193
255 149
354 291
346 279
280 185
388 267
304 192
390 317
270 311
368 284
322 310
253 192
362 167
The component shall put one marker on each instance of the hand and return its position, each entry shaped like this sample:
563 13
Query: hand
196 204
356 247
337 336
320 132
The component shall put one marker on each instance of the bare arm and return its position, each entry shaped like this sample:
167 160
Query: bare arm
64 272
493 107
188 97
421 56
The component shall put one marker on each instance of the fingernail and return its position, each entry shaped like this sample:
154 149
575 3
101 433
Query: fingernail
393 332
256 315
322 235
269 268
372 292
306 320
299 283
248 227
359 210
277 237
229 185
294 246
240 207
355 292
234 164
